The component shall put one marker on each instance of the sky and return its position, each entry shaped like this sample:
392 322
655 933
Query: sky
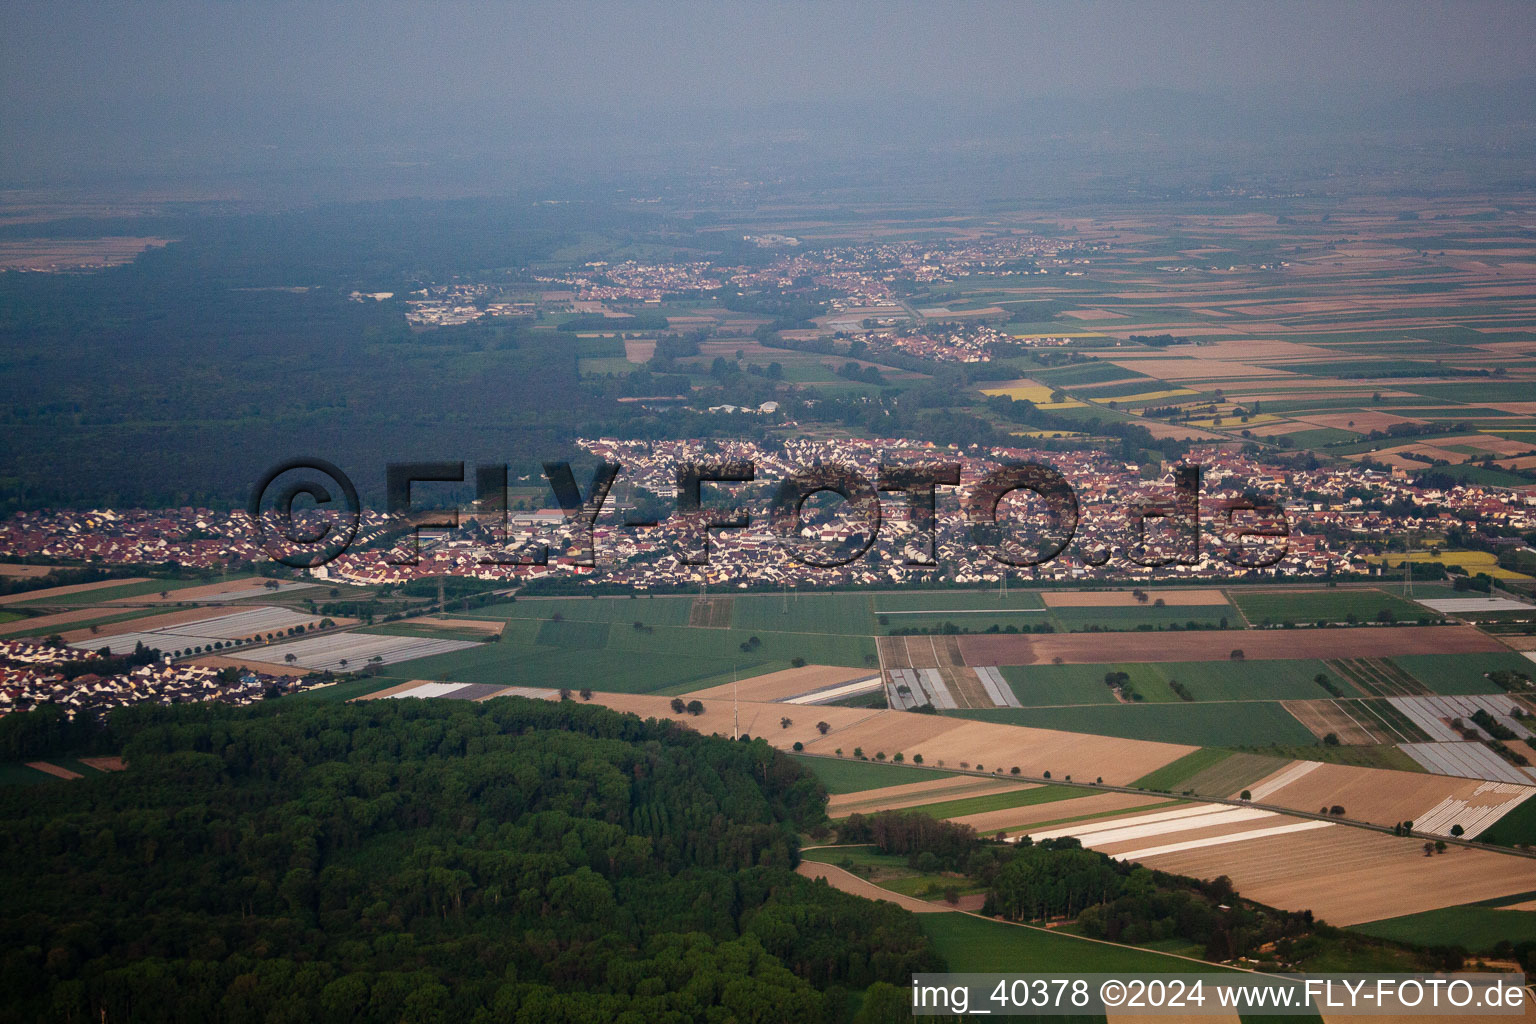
225 85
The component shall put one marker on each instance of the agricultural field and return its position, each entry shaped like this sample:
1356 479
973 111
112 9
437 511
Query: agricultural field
1219 645
1456 674
1055 685
948 600
1348 876
998 801
1251 724
841 776
1293 679
982 945
1143 617
337 652
1171 776
1476 928
1517 828
604 650
200 631
1263 608
1470 562
109 591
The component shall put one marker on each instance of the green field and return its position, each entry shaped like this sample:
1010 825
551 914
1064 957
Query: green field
653 611
1170 775
1233 775
1250 680
1453 674
121 615
852 776
1475 929
946 600
6 616
1021 620
87 597
846 614
998 801
979 945
610 655
1147 616
1250 724
1278 608
1517 828
1047 685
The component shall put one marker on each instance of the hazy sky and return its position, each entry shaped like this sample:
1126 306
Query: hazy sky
105 80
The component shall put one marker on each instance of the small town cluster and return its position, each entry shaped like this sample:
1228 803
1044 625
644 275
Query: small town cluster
1337 517
35 673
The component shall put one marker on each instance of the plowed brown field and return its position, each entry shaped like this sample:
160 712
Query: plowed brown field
1348 875
1378 795
789 682
1218 645
915 794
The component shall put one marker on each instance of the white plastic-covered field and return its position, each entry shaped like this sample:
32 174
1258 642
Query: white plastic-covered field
337 652
996 686
463 691
1434 801
1183 828
842 691
245 624
1476 604
911 687
1467 761
1434 714
1474 816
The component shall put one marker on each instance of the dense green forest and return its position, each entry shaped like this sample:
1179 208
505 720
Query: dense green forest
430 861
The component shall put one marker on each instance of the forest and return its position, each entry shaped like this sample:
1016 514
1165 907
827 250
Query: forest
429 861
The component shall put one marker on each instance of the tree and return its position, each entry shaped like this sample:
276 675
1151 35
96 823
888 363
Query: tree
677 705
565 693
917 758
290 657
1458 831
1237 654
586 693
786 722
823 728
695 707
1246 795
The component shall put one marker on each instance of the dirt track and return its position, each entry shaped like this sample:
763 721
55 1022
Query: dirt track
837 878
